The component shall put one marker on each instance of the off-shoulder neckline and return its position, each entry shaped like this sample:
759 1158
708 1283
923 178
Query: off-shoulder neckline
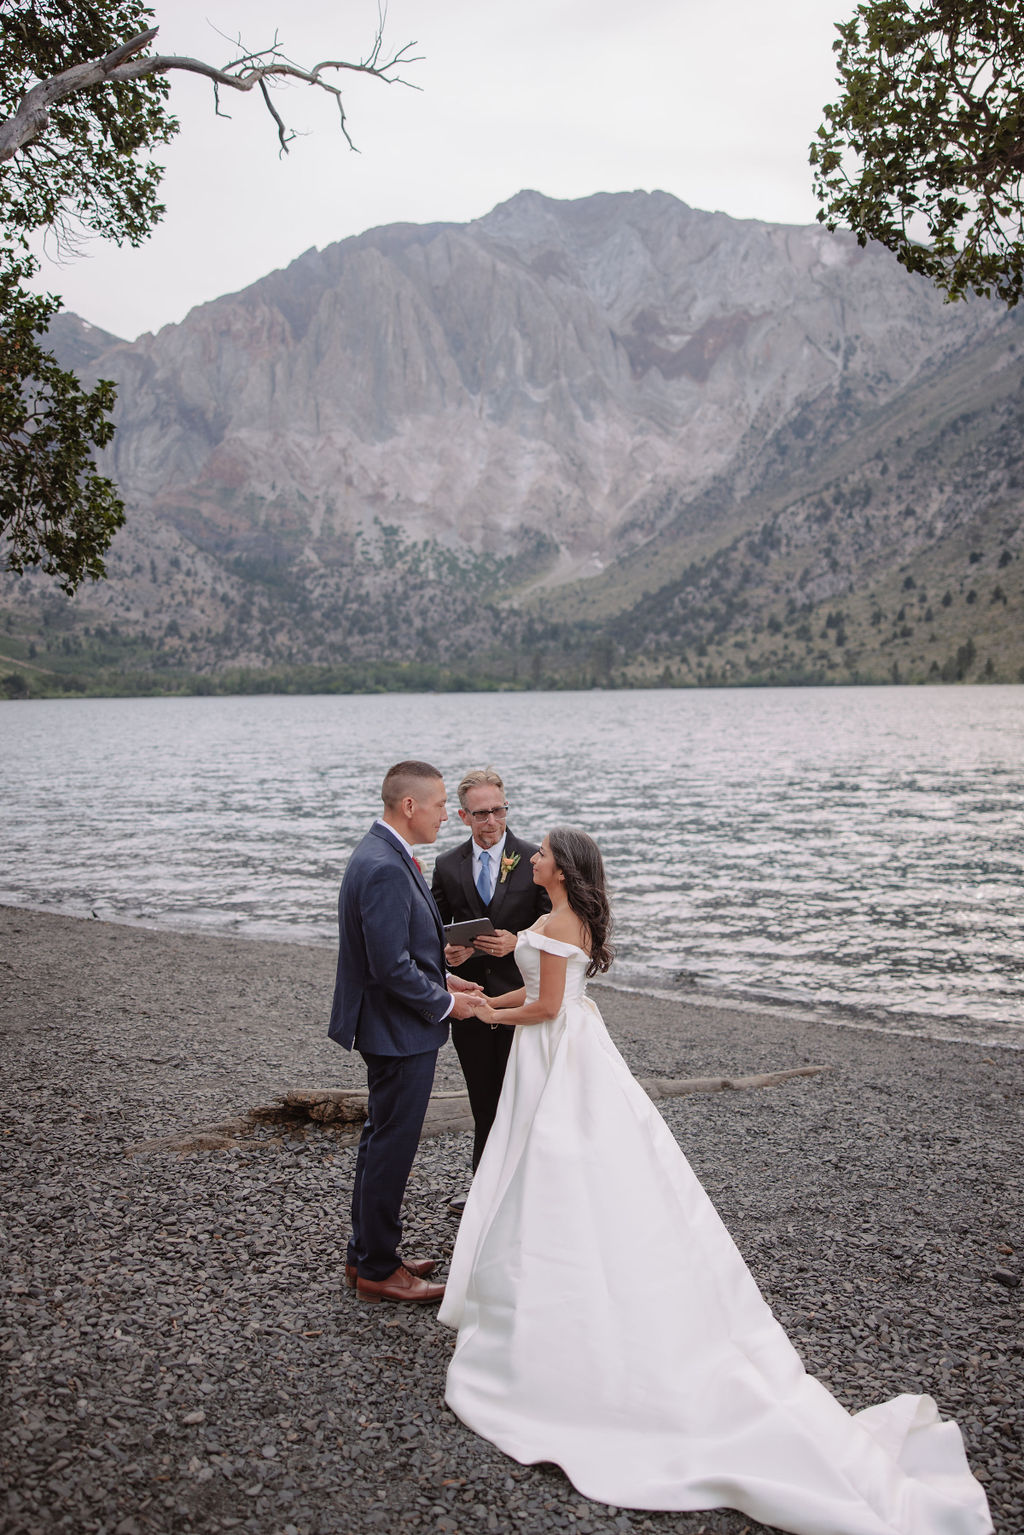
533 932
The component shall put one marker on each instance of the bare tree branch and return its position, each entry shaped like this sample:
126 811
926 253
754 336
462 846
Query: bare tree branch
282 132
123 64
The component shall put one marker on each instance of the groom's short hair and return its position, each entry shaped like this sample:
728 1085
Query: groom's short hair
476 778
406 778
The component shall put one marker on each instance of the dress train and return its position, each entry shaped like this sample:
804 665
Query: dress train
608 1323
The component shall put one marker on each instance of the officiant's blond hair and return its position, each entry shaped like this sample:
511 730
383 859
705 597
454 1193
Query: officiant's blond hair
476 778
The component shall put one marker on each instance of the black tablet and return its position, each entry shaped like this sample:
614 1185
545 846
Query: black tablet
464 932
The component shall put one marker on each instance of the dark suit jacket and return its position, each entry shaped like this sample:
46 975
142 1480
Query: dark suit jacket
390 996
514 905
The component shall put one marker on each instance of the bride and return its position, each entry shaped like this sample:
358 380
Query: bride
607 1322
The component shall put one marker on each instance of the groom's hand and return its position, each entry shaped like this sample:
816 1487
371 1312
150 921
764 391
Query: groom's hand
457 984
464 1005
500 942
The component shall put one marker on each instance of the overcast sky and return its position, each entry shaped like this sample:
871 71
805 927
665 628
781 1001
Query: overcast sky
714 101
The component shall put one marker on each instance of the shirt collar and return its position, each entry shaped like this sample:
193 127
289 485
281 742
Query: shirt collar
495 852
405 846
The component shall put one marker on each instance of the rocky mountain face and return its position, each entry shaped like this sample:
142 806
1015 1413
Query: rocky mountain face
630 438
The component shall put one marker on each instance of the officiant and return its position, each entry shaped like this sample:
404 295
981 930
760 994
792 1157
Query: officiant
489 875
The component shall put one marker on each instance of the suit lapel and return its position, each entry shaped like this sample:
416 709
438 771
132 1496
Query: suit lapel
501 886
424 890
405 854
500 889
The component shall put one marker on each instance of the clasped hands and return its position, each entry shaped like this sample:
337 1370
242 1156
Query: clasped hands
469 1000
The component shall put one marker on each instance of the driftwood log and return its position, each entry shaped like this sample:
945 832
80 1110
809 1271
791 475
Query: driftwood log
341 1111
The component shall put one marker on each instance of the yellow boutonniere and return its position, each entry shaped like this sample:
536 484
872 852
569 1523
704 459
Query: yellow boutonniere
508 863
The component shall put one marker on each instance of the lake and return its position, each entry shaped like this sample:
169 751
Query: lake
854 850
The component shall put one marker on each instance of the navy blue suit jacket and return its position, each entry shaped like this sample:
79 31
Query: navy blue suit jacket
390 996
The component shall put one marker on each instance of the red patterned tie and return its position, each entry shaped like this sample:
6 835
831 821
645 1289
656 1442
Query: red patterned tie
416 862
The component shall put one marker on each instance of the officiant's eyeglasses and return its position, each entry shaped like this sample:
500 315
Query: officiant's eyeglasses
499 812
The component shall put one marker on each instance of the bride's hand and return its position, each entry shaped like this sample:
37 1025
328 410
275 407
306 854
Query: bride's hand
485 1012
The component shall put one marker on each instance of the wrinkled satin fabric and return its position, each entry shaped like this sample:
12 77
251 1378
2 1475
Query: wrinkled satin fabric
608 1323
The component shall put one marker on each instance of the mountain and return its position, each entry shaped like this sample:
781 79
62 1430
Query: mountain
613 439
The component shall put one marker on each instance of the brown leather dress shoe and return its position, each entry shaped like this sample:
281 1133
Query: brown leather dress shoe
401 1285
421 1267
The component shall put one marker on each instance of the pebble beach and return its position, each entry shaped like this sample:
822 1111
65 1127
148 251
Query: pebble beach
180 1353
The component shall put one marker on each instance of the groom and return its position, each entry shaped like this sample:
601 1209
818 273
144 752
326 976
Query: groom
393 1003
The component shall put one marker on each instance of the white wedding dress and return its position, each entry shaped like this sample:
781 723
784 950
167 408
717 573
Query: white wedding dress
607 1322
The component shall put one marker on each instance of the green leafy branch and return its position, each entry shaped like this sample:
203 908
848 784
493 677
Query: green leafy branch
924 150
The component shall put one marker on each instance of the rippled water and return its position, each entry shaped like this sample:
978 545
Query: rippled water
857 847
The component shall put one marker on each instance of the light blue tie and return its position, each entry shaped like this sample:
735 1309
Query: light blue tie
484 883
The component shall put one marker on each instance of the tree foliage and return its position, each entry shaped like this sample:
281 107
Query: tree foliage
924 150
55 509
89 168
90 162
83 102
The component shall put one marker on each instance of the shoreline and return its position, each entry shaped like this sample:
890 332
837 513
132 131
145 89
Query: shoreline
954 1029
834 1015
69 686
183 1355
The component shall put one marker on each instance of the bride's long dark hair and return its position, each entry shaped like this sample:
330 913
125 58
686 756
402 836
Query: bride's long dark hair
579 858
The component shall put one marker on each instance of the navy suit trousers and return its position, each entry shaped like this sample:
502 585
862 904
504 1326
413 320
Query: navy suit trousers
399 1091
